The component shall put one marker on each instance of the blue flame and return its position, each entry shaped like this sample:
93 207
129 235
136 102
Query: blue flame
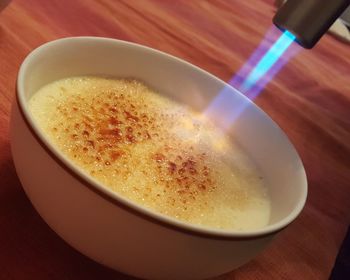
265 62
268 60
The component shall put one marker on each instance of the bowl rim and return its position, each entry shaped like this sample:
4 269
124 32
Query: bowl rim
121 201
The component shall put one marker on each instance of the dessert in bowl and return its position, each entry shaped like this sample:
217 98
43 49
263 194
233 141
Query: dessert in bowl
124 111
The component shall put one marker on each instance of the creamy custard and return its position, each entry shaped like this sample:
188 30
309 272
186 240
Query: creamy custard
153 151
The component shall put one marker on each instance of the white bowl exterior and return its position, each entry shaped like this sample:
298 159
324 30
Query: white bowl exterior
117 237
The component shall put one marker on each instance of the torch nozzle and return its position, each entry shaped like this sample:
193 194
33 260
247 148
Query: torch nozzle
309 20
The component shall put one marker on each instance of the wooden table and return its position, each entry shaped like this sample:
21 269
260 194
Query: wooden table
309 99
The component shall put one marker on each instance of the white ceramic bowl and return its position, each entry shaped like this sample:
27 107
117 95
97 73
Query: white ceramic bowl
114 231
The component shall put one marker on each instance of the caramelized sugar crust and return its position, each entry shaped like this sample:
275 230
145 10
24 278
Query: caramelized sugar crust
150 149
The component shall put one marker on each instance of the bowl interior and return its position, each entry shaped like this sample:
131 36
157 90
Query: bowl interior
250 126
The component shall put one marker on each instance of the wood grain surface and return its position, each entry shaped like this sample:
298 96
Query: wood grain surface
309 99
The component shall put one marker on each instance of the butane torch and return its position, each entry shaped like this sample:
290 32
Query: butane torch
309 20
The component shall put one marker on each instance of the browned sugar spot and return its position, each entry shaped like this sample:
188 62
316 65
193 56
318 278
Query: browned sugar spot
186 173
116 154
